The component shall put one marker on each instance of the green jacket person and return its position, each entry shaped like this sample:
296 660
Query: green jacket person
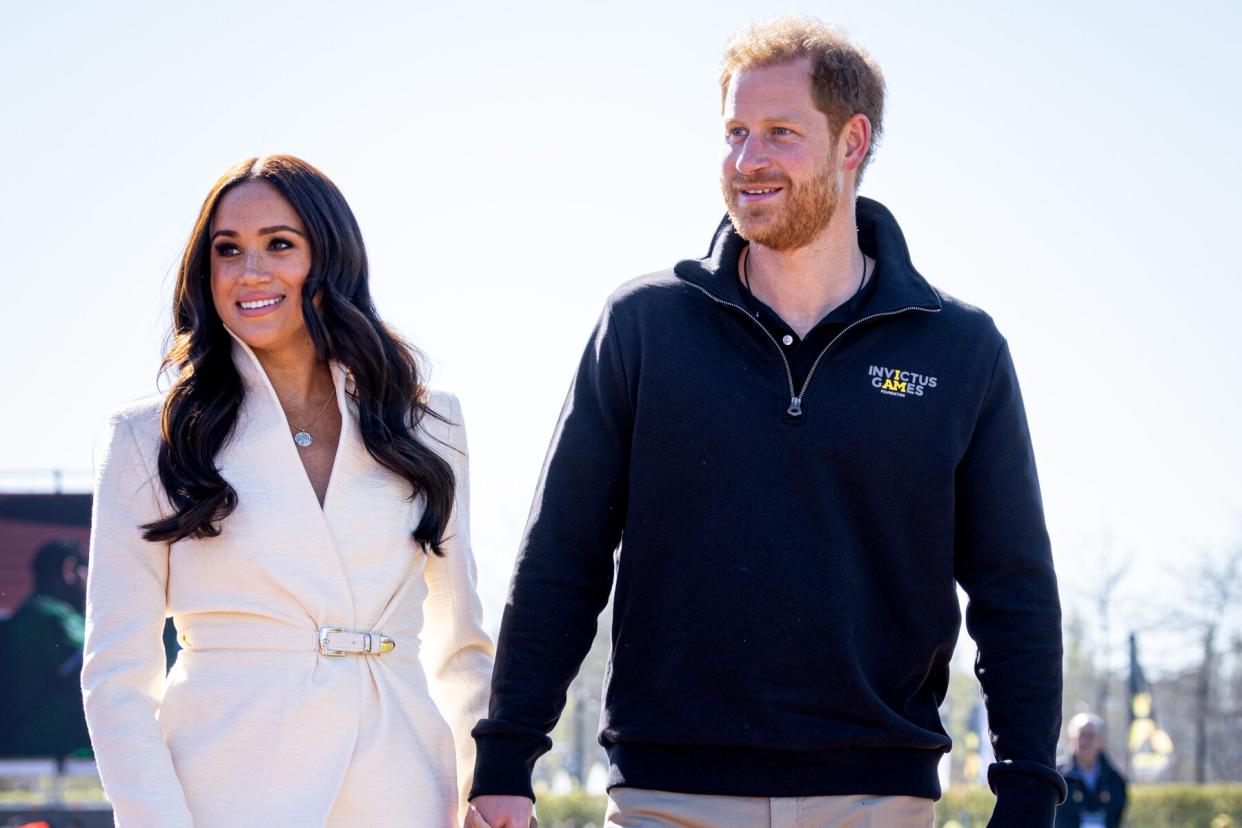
41 649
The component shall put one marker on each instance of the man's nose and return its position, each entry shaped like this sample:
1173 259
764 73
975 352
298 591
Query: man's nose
752 156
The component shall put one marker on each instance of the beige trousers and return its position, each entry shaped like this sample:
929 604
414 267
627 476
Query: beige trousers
641 808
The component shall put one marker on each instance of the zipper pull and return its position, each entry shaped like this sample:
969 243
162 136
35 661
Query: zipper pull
795 407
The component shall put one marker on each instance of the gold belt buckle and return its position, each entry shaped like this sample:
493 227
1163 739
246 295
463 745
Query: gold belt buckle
386 644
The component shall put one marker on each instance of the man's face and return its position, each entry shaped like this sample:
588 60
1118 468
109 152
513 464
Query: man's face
1088 744
73 576
781 176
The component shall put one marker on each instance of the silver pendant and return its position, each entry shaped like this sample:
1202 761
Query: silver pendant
303 439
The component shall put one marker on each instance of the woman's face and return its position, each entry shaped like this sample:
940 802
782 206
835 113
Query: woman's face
260 257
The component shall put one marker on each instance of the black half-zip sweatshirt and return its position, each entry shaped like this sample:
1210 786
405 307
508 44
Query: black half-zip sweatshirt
785 604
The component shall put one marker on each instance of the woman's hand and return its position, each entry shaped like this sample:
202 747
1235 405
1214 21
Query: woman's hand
499 812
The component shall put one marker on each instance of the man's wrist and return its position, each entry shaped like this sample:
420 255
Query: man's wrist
502 767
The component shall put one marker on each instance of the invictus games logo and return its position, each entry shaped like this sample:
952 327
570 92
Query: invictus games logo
898 383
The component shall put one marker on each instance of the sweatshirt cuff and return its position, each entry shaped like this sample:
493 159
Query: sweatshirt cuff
999 773
1027 794
503 764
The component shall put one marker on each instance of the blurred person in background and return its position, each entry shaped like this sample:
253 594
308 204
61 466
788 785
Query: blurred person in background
41 659
298 503
1097 790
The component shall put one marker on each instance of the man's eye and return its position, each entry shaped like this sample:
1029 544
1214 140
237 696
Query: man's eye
735 132
782 131
225 250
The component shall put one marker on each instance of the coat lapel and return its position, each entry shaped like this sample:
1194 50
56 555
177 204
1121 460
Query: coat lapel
306 546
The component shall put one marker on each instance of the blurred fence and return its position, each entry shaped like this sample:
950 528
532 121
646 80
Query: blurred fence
62 794
46 481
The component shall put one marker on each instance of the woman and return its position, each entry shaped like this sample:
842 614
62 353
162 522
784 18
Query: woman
297 502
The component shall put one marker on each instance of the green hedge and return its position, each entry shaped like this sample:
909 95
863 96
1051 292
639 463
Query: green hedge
1151 806
557 811
969 807
1186 806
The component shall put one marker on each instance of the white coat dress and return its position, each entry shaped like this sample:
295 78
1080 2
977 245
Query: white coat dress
253 726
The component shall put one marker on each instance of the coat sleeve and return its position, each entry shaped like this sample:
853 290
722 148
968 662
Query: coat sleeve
1004 562
124 664
564 568
457 653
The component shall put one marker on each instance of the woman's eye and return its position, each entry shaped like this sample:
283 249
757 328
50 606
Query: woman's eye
225 250
279 244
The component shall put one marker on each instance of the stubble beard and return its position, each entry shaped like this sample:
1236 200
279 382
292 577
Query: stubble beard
808 209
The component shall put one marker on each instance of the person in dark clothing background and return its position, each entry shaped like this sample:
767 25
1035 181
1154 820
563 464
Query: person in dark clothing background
41 655
1097 790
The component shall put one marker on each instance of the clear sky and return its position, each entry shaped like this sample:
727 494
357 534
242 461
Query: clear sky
1071 168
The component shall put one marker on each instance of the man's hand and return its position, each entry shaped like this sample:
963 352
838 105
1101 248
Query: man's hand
499 812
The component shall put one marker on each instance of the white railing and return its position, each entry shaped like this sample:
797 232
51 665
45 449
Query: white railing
71 784
46 481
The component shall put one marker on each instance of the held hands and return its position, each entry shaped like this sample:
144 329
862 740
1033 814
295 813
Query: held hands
499 812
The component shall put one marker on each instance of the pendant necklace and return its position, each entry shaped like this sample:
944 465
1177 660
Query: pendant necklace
302 436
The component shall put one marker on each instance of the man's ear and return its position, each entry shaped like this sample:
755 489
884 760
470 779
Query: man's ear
854 142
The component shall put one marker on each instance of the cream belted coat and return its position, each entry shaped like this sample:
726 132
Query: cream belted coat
253 726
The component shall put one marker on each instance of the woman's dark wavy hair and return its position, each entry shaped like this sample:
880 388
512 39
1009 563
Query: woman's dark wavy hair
202 402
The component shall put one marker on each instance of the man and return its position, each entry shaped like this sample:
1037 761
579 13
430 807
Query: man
41 652
800 447
1097 791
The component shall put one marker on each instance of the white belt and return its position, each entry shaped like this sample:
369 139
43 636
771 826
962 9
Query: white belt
202 631
335 641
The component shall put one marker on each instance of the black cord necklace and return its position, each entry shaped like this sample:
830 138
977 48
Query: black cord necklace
746 275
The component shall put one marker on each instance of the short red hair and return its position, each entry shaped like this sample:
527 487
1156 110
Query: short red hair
845 81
